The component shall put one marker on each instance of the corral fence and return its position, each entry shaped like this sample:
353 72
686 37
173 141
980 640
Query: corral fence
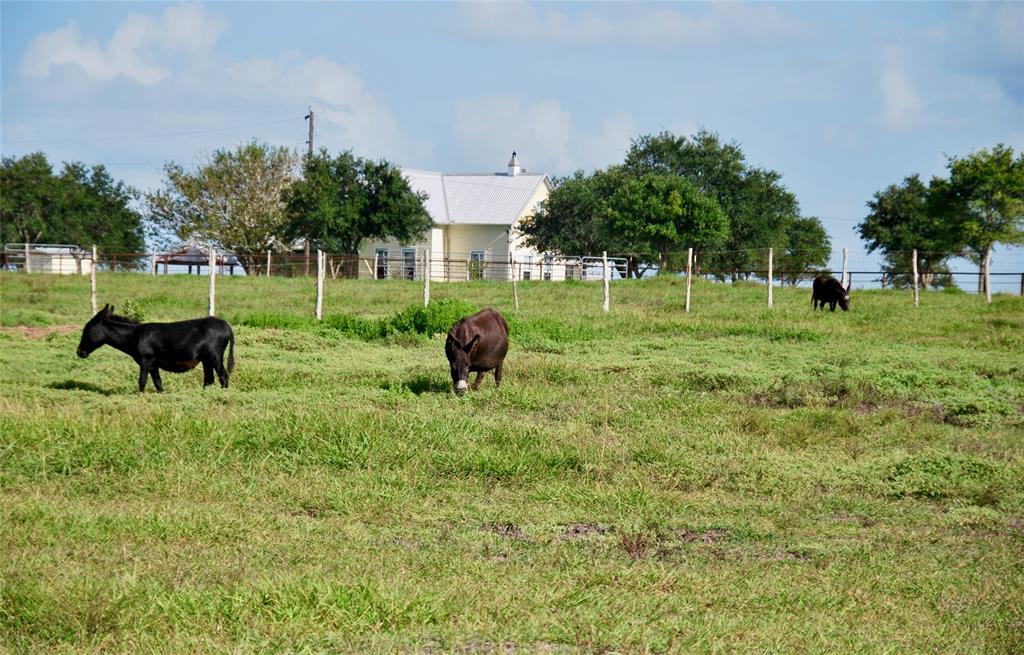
924 269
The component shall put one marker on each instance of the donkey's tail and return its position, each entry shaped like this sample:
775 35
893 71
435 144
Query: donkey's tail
231 352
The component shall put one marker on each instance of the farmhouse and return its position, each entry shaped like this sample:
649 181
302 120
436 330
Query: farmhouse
475 233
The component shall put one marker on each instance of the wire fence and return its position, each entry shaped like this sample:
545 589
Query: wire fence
925 270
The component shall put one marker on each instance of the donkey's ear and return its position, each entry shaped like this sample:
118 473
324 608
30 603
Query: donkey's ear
108 309
472 343
849 285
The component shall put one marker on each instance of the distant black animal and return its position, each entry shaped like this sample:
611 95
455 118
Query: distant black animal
829 291
477 343
175 347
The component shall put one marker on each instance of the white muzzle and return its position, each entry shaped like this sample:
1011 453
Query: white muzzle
462 385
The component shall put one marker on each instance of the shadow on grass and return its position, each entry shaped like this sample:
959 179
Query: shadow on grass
74 385
419 384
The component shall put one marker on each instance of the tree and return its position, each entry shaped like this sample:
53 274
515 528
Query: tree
233 199
985 201
658 214
760 210
808 247
910 216
81 206
573 219
345 199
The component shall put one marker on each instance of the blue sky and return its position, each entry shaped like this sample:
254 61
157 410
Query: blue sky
841 98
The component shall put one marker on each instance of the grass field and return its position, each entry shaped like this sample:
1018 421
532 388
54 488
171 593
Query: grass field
732 480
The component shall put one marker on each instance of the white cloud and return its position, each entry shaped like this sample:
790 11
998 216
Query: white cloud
543 132
355 118
132 50
717 23
901 105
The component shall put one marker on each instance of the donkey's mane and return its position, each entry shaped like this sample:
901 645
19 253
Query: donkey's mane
114 318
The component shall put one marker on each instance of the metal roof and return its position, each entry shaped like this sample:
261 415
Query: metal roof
484 199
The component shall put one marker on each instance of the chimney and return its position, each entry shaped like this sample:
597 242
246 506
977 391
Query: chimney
513 165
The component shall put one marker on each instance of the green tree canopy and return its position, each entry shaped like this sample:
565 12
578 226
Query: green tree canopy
345 199
986 198
233 198
910 216
808 247
80 205
760 210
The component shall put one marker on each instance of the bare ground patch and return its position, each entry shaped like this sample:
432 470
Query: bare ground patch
40 332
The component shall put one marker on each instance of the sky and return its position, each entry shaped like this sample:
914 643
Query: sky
842 99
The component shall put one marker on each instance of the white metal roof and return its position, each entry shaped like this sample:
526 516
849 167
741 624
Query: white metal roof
485 199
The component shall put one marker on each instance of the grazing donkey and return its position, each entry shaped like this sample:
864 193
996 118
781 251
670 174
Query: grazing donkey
477 343
828 290
175 347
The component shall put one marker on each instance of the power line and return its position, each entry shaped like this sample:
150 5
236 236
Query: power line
148 136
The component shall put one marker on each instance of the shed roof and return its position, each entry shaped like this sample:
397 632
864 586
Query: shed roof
475 199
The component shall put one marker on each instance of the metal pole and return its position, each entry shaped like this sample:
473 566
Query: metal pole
914 264
213 277
604 261
770 255
28 260
689 276
375 255
515 288
92 280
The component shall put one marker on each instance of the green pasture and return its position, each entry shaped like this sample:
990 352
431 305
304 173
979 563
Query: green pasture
733 480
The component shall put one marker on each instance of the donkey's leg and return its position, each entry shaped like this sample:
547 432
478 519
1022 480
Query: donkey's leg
207 373
222 373
479 380
157 382
497 374
143 374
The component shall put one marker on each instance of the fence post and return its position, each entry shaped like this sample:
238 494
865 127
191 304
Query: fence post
374 271
604 263
319 284
689 275
846 267
515 288
92 280
770 255
1022 284
914 264
28 260
213 280
426 276
152 262
268 263
988 281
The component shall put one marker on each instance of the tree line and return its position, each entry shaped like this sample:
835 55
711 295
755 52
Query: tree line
978 204
668 194
675 192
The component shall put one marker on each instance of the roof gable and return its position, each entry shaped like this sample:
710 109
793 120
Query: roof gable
475 199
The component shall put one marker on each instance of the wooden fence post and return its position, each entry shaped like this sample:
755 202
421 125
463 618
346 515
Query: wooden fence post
770 255
92 281
319 284
689 276
374 271
604 261
213 279
268 263
426 277
28 259
152 262
914 264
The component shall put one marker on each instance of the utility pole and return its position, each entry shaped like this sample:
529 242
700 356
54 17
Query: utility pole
309 162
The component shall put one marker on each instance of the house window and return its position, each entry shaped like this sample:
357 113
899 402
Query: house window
538 207
476 265
382 263
527 266
409 263
549 263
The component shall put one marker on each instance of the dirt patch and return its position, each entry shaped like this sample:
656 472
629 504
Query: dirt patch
40 332
311 511
864 521
508 530
784 556
582 530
